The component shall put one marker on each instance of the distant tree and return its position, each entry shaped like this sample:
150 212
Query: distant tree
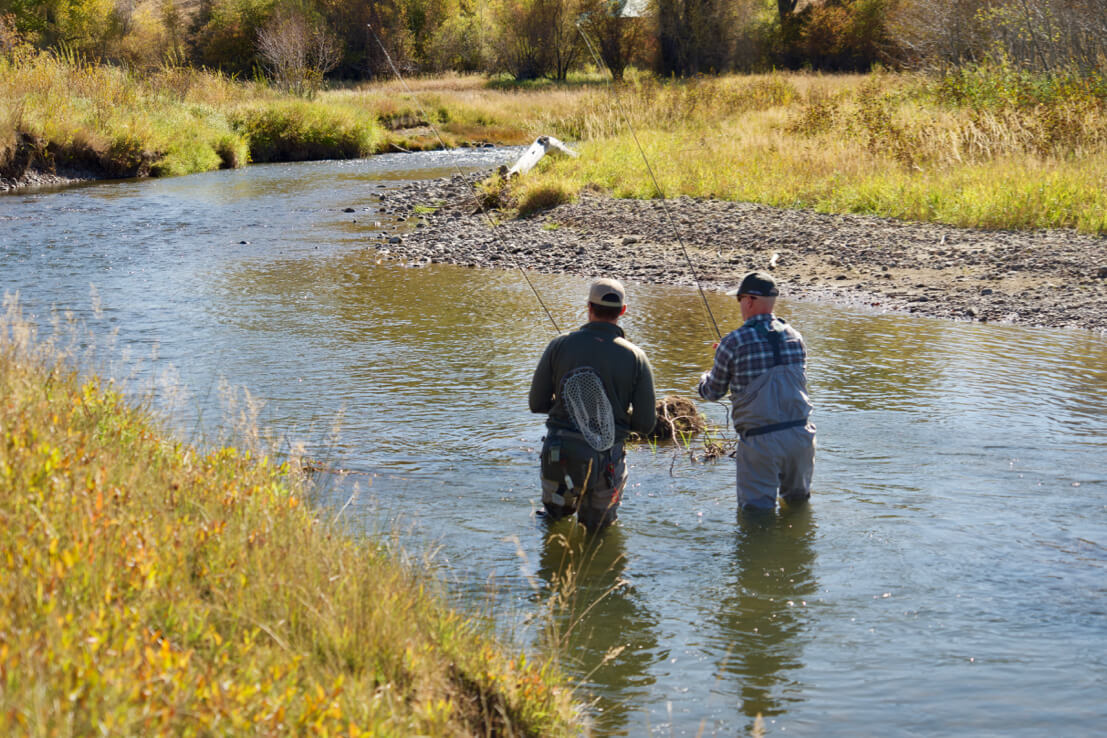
694 37
1081 33
1033 34
565 45
518 39
226 34
785 9
618 32
845 35
174 21
939 32
80 25
10 37
296 52
460 43
537 38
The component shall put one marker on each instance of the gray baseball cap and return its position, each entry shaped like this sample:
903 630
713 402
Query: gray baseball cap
607 292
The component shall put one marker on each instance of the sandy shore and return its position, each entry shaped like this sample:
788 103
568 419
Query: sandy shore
1046 278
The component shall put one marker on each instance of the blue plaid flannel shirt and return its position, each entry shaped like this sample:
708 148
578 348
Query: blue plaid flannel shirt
745 354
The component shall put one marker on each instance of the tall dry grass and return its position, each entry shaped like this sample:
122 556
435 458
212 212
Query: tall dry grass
881 144
148 587
106 120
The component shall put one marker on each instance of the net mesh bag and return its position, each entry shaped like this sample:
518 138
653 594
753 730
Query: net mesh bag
584 396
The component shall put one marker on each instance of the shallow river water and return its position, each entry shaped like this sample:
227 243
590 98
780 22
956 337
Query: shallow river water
949 577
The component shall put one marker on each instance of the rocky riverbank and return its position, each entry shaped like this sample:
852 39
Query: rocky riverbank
34 179
1045 278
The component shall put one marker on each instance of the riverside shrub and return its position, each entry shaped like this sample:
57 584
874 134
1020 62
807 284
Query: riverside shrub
301 131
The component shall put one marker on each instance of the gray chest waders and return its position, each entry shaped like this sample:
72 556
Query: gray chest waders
775 341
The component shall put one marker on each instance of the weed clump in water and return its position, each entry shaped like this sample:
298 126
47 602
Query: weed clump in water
677 417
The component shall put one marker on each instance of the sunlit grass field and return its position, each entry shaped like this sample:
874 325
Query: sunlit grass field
888 145
149 587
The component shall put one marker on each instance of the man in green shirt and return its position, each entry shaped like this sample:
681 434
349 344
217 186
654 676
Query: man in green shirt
583 463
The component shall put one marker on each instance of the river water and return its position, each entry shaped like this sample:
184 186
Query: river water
949 577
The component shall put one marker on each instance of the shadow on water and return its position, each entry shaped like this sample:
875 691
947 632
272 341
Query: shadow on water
589 598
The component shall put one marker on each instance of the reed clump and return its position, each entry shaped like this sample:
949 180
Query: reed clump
538 199
153 588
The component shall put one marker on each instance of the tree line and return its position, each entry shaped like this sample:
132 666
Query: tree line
302 43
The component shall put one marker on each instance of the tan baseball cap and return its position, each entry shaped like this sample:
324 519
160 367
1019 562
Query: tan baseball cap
607 292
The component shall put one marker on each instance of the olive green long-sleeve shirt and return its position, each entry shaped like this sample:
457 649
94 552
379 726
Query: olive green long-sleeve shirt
622 367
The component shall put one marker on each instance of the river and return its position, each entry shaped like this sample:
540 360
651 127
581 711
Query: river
949 576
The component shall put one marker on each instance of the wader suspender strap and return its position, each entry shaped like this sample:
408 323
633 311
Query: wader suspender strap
774 340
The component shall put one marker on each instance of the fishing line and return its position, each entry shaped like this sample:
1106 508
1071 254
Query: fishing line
476 194
661 194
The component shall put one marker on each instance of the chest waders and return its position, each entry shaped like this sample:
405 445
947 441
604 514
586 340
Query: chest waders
775 340
776 454
605 459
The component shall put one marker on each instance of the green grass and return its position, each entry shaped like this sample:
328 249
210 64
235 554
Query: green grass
148 587
57 112
303 130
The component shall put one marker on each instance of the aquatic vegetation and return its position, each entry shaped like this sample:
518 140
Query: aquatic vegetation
150 587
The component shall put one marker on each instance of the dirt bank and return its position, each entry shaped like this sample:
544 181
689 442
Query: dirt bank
1046 278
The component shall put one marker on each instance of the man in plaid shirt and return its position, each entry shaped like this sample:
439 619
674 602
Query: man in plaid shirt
763 366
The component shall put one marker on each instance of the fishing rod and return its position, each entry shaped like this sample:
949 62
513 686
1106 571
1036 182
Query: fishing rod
476 195
660 192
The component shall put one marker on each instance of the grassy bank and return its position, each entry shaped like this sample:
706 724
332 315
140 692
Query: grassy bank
996 151
150 588
61 114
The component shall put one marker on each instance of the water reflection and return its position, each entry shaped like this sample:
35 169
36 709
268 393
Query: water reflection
604 628
761 621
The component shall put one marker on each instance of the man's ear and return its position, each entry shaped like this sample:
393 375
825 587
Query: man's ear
623 310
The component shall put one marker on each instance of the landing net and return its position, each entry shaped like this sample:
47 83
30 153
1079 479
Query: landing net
584 396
